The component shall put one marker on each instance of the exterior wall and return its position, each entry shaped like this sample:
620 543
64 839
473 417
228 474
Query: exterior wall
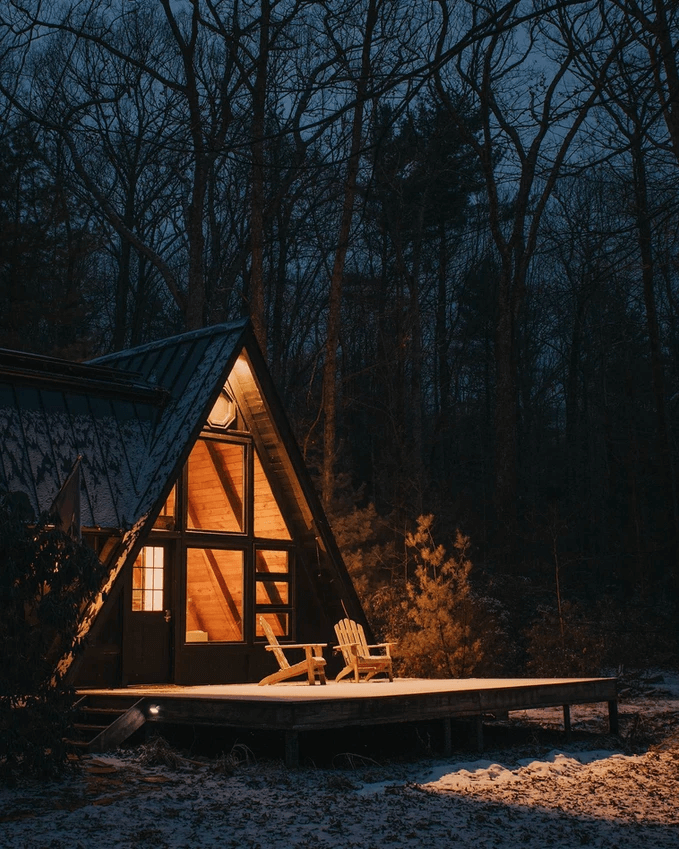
101 664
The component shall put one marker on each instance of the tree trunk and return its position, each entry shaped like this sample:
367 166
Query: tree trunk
443 376
257 308
337 275
645 236
506 410
668 59
122 291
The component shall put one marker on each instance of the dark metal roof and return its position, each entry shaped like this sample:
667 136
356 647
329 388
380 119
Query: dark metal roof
192 369
130 415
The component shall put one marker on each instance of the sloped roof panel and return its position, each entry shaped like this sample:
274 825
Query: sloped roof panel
15 462
43 464
129 415
51 412
192 368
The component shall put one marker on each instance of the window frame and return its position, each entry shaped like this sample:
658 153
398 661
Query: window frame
154 570
213 436
278 578
244 541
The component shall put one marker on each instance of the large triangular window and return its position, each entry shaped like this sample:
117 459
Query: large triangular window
239 553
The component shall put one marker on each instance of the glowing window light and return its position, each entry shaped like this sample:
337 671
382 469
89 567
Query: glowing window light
147 579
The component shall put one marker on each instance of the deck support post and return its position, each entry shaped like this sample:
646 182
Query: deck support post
478 721
613 724
447 737
567 720
292 749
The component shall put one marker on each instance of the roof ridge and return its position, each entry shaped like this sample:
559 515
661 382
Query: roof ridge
210 330
28 361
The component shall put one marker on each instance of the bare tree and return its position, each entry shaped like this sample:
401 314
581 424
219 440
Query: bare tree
638 96
518 80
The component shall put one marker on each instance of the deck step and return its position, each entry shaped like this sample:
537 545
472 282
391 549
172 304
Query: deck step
122 727
102 711
87 726
102 728
78 744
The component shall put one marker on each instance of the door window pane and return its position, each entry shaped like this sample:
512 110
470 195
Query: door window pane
147 579
214 595
215 497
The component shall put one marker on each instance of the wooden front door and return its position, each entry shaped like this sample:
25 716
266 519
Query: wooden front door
147 649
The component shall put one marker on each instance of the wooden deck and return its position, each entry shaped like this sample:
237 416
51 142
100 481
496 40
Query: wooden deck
296 707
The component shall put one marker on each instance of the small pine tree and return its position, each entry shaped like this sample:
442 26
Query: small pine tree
417 597
440 609
45 580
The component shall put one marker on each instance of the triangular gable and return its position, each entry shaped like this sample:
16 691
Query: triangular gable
251 385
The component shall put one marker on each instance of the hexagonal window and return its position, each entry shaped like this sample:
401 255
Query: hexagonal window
224 411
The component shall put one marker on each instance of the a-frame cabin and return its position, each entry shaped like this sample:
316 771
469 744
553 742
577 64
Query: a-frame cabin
192 491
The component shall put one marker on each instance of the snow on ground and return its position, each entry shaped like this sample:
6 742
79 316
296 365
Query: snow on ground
592 791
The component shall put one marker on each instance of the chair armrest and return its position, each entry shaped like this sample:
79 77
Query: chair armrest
385 646
341 646
313 646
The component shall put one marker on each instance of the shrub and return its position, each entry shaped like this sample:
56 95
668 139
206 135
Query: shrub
45 580
564 645
417 596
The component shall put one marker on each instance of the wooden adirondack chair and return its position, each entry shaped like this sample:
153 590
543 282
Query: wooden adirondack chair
356 652
313 665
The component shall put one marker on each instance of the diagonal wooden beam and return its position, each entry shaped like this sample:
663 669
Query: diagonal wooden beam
227 482
232 607
191 605
223 587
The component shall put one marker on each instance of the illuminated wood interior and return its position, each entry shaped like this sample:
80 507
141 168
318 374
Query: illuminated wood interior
215 494
217 502
278 622
273 563
148 579
245 389
214 595
269 522
166 518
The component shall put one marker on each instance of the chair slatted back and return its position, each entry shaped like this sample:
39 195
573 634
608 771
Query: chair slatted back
273 642
363 649
343 640
351 633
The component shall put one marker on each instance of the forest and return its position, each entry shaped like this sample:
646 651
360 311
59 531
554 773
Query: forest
455 227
